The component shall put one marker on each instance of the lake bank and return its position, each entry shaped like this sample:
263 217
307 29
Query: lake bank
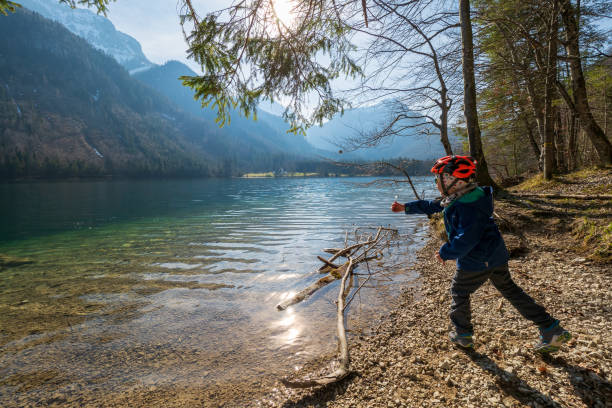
409 362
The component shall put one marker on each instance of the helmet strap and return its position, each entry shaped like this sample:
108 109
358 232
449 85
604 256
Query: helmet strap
445 189
448 199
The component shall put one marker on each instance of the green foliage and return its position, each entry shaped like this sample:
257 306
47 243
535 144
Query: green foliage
8 6
100 5
246 55
599 87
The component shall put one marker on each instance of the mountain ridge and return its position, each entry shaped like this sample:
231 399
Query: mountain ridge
66 109
268 130
95 29
335 134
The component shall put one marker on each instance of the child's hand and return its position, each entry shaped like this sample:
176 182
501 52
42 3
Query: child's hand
439 258
397 207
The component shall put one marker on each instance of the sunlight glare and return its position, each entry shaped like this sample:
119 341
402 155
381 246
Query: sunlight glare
283 10
287 295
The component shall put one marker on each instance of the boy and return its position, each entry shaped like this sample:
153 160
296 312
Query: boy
476 243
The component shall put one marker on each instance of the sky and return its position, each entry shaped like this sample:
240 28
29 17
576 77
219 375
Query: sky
155 25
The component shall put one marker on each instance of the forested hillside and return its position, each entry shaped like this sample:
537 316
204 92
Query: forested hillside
268 130
67 109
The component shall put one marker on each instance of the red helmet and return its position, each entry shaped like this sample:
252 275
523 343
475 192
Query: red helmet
462 167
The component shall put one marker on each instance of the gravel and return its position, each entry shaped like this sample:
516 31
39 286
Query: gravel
408 361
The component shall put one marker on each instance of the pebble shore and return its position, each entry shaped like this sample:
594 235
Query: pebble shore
408 361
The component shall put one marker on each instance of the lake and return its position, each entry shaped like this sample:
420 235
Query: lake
112 286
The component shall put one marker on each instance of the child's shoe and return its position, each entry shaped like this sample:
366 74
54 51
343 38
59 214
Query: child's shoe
551 338
462 340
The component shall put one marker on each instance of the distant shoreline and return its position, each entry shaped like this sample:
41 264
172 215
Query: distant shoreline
297 174
149 178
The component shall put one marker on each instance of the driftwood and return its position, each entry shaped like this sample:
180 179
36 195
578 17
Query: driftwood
304 293
337 271
349 249
361 252
344 359
574 196
328 267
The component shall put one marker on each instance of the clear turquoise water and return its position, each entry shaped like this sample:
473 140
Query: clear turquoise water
141 283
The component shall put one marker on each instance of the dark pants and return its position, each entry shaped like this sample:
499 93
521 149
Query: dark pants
465 283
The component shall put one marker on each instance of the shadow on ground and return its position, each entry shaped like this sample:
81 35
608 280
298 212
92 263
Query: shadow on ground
509 383
593 389
321 396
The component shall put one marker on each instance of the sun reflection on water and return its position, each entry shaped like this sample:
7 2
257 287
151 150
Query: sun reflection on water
290 326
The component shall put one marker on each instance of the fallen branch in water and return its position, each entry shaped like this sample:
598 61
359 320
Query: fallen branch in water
360 252
378 242
306 292
344 357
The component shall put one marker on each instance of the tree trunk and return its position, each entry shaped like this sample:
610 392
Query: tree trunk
593 130
561 151
444 122
605 103
549 93
572 146
469 95
528 128
515 157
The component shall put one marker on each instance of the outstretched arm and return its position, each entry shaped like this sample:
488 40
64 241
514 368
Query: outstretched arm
418 207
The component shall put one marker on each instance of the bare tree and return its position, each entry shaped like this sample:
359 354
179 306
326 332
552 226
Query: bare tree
570 15
410 58
469 94
551 79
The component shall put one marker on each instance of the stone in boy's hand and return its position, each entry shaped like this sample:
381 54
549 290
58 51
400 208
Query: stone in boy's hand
397 207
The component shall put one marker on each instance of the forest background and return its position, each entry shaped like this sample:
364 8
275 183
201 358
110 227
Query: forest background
527 84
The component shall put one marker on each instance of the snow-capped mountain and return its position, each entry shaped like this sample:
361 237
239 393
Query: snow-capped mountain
96 29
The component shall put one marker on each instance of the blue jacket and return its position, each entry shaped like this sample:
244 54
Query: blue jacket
473 237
